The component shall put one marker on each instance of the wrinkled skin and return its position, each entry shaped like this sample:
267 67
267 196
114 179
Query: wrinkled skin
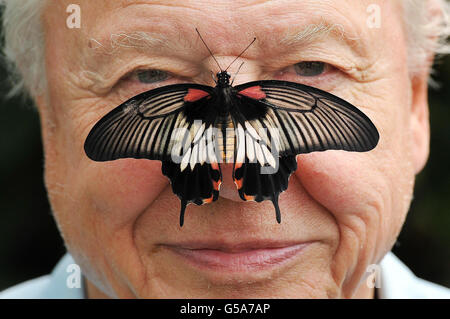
350 207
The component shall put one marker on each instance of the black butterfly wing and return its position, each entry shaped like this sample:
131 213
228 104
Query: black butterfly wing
196 177
306 119
277 120
143 126
160 124
199 185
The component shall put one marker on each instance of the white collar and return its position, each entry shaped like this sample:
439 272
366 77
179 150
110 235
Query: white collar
399 282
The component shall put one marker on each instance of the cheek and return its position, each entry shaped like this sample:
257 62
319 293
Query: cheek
106 195
342 182
363 191
121 189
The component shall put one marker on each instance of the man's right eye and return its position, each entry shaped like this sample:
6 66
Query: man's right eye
151 76
308 68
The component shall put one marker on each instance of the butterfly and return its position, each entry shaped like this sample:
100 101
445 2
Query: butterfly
259 127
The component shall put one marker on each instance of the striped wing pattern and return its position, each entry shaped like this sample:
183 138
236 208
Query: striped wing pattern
303 119
146 126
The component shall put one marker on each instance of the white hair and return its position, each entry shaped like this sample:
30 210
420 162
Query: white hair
24 46
426 24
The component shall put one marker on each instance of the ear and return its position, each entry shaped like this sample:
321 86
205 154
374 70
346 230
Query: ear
47 117
419 121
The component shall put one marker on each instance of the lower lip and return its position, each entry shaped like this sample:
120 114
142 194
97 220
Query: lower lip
242 261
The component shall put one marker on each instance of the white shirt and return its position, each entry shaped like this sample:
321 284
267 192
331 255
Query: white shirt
396 282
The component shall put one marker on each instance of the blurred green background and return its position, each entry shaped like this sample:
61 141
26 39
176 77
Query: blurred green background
30 244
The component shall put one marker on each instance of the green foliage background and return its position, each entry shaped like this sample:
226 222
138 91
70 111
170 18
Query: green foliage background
30 244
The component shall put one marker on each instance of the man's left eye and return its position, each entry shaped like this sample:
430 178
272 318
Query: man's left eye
152 76
310 68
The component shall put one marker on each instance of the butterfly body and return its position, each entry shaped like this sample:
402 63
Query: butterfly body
257 126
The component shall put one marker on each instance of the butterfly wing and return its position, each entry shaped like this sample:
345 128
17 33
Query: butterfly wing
199 185
277 120
305 119
160 124
146 125
196 176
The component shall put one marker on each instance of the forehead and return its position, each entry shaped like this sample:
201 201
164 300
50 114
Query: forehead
218 20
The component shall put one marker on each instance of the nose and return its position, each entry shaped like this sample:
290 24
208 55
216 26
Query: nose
228 188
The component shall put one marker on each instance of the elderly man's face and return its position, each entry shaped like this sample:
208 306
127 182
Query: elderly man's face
120 219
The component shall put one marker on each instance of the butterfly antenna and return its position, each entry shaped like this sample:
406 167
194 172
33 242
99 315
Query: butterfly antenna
208 49
248 46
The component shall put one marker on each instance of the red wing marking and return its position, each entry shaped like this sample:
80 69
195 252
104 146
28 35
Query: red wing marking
248 197
195 95
254 92
208 200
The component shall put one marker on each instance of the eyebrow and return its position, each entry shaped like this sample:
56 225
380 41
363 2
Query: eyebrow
102 52
311 32
318 31
134 39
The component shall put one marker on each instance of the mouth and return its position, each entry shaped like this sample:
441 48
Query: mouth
241 258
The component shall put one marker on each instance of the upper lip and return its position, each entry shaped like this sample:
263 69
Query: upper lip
233 247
